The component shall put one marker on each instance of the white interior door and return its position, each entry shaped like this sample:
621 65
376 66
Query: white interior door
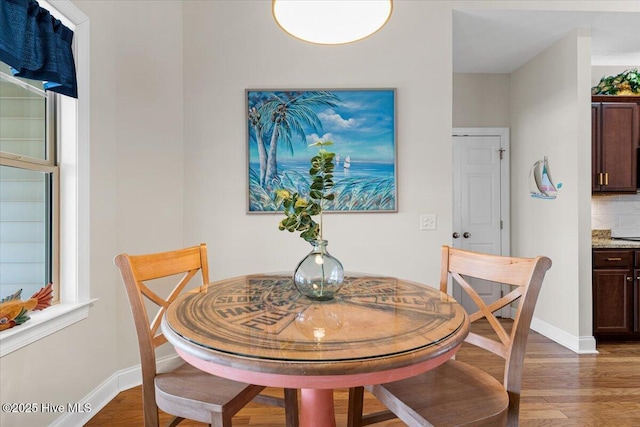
481 201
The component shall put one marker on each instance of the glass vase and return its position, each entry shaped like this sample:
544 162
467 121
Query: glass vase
319 275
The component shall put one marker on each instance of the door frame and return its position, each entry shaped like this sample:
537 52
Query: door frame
505 196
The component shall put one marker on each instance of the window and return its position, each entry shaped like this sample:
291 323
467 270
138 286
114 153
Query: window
29 191
72 166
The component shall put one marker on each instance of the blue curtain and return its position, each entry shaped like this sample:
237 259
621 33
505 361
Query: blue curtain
37 46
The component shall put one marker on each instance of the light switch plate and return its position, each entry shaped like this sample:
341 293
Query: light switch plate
428 222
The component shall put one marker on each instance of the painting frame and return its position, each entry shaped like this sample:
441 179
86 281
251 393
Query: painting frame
362 125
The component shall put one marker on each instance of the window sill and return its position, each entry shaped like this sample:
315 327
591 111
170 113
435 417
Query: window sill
42 324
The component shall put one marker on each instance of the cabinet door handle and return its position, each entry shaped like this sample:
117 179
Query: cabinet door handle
606 178
629 279
600 181
614 259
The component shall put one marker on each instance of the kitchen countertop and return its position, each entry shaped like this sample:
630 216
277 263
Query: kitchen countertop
613 244
601 239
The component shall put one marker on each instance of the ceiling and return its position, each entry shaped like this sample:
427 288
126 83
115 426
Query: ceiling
500 41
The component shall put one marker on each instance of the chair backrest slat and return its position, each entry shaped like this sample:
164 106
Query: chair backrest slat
155 266
508 270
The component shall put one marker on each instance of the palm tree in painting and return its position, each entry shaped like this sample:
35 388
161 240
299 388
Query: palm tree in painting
287 114
256 99
256 125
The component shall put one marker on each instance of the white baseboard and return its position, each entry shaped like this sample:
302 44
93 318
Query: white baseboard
578 344
105 392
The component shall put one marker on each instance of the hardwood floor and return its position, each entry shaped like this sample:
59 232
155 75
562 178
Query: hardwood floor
560 388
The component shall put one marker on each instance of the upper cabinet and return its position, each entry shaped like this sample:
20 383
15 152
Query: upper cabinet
614 150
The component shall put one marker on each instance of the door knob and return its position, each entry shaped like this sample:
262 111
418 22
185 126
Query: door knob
456 234
466 235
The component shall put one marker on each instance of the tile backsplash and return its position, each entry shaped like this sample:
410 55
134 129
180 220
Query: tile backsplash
619 213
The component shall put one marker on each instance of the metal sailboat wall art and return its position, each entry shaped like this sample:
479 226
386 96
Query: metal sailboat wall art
540 183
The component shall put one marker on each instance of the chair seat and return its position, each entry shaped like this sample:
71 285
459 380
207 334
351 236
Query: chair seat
450 395
191 393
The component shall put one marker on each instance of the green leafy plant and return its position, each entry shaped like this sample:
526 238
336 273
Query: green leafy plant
625 83
298 208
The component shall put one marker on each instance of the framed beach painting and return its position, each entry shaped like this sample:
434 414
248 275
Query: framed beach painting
283 124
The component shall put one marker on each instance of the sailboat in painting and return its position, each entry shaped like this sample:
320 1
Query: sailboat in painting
347 162
540 183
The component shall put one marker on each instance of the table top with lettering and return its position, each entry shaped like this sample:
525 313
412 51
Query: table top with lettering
264 320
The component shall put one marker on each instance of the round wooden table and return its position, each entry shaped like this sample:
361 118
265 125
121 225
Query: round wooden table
258 329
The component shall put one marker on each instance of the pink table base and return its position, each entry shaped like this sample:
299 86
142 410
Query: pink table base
316 408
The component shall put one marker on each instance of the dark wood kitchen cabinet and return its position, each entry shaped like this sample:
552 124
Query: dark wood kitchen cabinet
636 294
616 294
614 147
636 302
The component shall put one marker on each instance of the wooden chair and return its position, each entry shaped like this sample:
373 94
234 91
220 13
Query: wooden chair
457 393
185 392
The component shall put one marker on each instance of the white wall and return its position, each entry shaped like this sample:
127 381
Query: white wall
149 134
550 116
481 100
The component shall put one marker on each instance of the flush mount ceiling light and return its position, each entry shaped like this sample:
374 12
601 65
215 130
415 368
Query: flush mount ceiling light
331 21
